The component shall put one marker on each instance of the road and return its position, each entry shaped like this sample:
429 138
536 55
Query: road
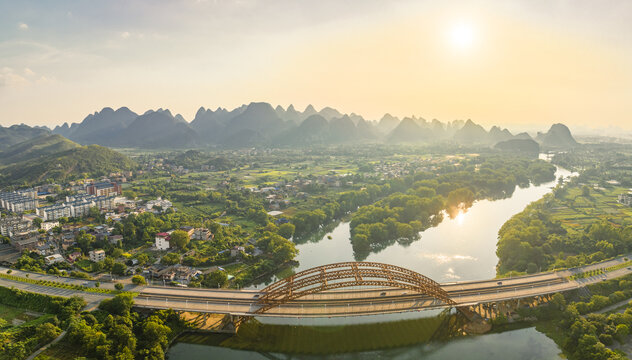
374 301
350 302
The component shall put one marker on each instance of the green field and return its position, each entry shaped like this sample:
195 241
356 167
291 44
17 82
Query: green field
25 317
576 212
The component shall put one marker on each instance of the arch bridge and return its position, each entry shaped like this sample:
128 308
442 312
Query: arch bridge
349 275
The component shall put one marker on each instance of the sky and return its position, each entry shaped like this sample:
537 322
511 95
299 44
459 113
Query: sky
522 64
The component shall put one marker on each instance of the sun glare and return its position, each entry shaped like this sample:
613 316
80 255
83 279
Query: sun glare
460 217
462 36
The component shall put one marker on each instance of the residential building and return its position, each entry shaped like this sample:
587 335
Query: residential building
49 225
202 234
11 225
19 201
158 203
97 255
53 259
75 206
236 250
114 239
625 199
162 241
104 189
74 256
26 244
189 230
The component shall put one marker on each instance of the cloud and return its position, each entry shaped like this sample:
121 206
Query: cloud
443 258
23 26
451 274
10 78
125 35
28 72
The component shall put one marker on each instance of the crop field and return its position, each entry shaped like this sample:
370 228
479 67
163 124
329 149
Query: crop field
576 211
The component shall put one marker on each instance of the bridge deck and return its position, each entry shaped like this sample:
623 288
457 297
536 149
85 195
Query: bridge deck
354 302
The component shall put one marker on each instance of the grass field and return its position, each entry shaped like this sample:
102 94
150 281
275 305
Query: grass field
26 317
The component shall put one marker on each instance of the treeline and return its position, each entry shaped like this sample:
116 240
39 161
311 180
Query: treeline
581 333
116 332
531 241
403 214
18 342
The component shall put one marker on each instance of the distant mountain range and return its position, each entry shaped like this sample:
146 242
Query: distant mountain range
259 123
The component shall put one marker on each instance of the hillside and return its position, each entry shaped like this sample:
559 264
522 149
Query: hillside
558 136
16 134
91 160
35 148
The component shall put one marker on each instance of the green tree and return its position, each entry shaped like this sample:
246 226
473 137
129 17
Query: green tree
170 259
119 286
138 280
46 332
119 269
180 238
287 230
215 279
121 304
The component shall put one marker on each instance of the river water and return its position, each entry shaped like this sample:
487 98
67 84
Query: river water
458 249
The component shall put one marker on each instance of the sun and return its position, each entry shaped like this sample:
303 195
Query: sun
462 36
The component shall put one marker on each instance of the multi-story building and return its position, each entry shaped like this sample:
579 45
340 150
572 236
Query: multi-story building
54 212
53 259
11 225
201 234
18 201
49 225
104 189
97 255
76 206
162 241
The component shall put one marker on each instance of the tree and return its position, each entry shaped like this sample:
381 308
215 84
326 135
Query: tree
287 230
142 259
170 259
138 280
180 238
119 269
37 222
215 279
121 304
46 332
119 286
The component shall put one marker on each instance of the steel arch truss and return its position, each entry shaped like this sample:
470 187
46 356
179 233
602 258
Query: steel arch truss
346 275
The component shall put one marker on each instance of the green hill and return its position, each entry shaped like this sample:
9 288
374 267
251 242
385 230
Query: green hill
92 160
16 134
35 148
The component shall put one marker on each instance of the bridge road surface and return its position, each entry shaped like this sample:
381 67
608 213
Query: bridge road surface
374 301
339 302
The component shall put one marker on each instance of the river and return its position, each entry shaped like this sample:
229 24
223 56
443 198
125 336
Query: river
458 249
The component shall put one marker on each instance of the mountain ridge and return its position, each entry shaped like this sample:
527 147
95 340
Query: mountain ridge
259 123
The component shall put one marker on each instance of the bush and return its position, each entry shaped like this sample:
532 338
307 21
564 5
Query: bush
138 280
119 286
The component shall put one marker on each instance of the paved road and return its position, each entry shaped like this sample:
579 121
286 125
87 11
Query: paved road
67 280
372 301
341 302
92 299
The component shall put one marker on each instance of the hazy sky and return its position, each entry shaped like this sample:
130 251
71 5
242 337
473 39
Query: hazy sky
496 62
